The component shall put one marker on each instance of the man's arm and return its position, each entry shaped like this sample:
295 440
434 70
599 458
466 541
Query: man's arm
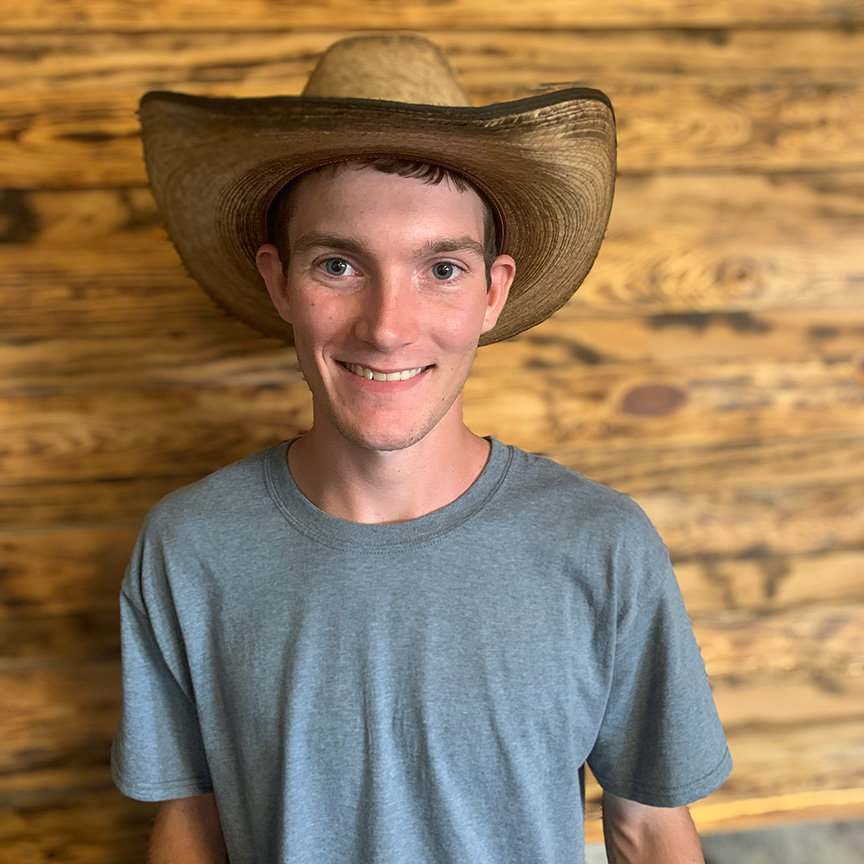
639 834
187 831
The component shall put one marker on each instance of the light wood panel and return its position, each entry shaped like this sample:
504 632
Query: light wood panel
672 115
189 14
740 464
737 466
269 62
92 825
803 761
52 504
64 571
764 522
117 433
766 582
219 351
738 646
126 292
753 559
94 265
49 823
28 643
810 673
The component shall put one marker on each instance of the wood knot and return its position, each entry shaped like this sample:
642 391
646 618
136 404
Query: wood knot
653 400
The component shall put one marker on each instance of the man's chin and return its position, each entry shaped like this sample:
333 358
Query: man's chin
383 440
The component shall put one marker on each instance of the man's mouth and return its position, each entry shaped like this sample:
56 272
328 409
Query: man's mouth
376 375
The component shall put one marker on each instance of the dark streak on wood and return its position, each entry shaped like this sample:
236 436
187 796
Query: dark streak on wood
739 322
775 570
88 137
18 221
574 350
715 576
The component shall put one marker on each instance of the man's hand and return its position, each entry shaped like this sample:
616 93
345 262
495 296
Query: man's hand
187 831
638 834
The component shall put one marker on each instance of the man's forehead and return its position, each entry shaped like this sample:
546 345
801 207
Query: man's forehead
338 194
340 174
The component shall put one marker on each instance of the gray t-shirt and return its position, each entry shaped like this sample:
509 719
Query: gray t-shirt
421 692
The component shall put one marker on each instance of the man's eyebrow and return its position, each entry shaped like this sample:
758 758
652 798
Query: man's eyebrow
327 241
346 244
456 244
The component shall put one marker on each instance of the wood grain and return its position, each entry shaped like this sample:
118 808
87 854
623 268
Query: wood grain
81 503
95 825
73 124
119 433
704 525
65 571
94 264
130 292
811 673
51 712
226 355
800 760
736 466
189 14
798 666
769 582
73 571
28 643
116 433
270 61
753 207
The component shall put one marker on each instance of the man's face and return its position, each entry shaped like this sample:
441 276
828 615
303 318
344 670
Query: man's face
386 290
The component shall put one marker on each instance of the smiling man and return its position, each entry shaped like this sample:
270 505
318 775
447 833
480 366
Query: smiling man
390 639
387 287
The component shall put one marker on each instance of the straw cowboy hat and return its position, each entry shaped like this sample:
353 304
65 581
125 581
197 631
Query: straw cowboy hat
546 164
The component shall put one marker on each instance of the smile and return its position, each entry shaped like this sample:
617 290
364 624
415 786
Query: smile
375 375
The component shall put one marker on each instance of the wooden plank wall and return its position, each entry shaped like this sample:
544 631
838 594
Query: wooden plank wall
712 365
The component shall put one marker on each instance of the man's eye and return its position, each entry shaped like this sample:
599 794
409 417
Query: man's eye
337 267
444 270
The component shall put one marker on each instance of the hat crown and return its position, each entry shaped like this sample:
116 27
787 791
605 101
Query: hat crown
393 67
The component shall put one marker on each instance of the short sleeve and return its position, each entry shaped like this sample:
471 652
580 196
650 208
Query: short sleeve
158 752
660 742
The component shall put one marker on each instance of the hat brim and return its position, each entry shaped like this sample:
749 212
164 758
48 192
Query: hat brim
547 164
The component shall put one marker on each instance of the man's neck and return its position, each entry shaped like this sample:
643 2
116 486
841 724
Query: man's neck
375 487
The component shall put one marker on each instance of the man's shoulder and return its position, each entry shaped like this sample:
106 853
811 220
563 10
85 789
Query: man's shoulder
570 512
224 494
540 478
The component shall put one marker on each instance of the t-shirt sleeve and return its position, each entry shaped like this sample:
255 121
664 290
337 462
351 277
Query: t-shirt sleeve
660 741
158 753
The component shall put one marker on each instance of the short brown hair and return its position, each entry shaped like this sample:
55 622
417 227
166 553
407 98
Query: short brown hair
280 209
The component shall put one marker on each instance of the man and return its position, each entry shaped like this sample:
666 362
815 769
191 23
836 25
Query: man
390 639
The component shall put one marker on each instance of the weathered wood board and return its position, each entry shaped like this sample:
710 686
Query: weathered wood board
189 14
74 124
97 825
112 432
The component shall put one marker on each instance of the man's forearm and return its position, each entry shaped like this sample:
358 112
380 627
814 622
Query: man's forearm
187 831
638 834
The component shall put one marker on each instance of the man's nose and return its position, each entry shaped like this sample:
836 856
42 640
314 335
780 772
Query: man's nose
389 318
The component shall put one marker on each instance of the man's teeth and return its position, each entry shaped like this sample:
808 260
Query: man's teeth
372 375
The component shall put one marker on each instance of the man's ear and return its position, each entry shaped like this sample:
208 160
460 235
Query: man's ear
501 275
269 265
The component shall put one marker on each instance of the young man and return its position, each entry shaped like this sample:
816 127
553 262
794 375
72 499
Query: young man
390 639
